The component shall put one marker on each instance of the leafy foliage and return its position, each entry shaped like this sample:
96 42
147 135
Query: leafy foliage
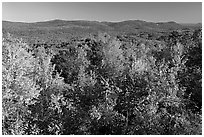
103 85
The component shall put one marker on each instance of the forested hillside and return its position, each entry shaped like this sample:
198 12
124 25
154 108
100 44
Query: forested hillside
103 83
57 31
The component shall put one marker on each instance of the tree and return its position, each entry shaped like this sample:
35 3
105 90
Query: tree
19 87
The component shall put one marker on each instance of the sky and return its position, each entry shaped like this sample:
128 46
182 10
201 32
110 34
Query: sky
180 12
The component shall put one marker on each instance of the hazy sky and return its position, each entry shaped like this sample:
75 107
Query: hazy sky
156 12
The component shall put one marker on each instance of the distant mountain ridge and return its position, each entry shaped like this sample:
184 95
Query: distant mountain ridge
63 29
133 24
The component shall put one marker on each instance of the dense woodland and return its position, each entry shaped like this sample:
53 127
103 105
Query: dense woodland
103 84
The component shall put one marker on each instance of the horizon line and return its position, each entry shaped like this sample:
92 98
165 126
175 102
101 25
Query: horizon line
101 21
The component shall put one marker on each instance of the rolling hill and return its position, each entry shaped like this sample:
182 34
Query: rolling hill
62 29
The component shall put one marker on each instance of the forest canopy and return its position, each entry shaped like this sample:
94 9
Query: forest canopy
103 85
